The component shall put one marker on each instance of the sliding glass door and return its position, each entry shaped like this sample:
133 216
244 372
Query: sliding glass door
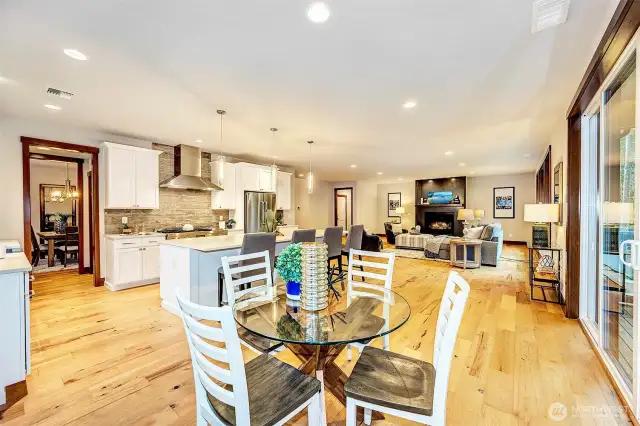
609 209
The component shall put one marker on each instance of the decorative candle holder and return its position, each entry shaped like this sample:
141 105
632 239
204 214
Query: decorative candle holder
314 293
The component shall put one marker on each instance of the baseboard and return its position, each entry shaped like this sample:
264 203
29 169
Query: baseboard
171 308
14 393
613 382
118 287
101 282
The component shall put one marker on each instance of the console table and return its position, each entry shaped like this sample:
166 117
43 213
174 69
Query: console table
465 262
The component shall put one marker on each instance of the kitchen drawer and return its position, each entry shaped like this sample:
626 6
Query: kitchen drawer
151 241
127 243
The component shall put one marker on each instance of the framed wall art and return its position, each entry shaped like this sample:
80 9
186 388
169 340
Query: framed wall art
504 202
394 200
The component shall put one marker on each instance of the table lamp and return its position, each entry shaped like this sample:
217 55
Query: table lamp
478 214
467 216
400 211
542 215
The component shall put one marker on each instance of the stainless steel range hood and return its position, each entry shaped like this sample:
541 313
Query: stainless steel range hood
187 171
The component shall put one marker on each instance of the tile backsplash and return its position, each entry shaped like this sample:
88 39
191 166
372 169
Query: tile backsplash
177 206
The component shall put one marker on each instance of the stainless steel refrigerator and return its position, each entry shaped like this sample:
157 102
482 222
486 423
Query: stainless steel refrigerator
259 212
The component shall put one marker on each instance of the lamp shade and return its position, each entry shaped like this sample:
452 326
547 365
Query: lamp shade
618 213
466 214
542 213
478 213
400 210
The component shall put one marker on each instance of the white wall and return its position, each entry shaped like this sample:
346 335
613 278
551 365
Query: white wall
313 210
480 196
408 191
559 143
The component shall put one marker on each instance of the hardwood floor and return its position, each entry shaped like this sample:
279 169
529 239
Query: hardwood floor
104 358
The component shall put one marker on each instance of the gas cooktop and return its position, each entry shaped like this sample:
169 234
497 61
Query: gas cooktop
177 230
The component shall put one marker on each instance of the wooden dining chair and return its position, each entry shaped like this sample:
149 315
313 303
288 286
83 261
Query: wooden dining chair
405 387
378 285
70 244
39 251
239 271
263 392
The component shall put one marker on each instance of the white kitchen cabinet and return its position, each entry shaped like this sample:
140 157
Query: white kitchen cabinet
132 261
265 182
225 199
255 177
15 359
283 191
131 177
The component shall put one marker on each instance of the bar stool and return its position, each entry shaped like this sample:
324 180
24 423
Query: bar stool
354 241
303 236
333 239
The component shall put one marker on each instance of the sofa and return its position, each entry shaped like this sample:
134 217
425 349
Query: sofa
490 249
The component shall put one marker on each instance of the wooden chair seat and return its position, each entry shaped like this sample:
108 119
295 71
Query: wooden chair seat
262 344
275 390
392 380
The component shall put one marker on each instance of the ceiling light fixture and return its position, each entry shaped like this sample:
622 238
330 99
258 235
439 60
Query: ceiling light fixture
353 166
379 173
53 107
198 140
462 164
5 80
274 166
222 161
448 153
73 53
472 173
409 104
310 173
318 12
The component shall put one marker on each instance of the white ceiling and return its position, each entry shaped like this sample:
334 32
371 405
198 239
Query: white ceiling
486 88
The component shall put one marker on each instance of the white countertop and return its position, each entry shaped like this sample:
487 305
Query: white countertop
14 262
132 235
223 242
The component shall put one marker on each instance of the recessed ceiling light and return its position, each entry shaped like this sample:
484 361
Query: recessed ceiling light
51 106
318 12
462 164
472 173
73 53
448 153
198 140
379 173
409 104
5 80
399 178
527 155
300 175
353 166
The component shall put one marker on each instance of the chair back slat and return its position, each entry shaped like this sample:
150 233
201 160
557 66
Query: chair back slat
383 280
215 367
260 262
452 308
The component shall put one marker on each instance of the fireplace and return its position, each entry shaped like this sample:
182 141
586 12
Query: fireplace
439 223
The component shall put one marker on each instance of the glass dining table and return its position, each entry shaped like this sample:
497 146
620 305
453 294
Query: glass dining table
318 337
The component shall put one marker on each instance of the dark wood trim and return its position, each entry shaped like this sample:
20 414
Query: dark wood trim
62 145
95 172
27 142
619 32
335 205
80 216
543 179
91 216
15 393
26 201
50 157
615 386
515 243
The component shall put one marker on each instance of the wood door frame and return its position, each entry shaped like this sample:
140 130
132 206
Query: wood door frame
27 143
335 205
543 179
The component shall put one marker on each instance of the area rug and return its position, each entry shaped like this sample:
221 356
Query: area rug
411 254
44 267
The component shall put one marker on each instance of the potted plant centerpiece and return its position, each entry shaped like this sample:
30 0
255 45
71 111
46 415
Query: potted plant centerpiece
289 268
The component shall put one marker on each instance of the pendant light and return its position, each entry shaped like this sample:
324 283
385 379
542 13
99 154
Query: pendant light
274 167
222 161
310 173
67 193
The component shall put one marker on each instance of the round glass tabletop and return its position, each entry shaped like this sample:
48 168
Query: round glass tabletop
268 313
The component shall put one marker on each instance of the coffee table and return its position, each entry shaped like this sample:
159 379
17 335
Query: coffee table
465 262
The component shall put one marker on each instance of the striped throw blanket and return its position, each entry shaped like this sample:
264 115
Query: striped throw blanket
432 244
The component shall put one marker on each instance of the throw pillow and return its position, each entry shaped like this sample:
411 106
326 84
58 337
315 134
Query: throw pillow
487 233
475 233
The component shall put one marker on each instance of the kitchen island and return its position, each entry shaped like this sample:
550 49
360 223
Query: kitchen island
192 265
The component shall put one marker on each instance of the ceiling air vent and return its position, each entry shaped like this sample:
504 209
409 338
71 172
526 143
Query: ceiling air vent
549 13
59 93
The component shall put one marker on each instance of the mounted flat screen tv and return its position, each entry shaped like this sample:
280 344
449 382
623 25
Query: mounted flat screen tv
440 197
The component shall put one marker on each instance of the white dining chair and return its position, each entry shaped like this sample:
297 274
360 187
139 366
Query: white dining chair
405 387
263 392
370 284
240 273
